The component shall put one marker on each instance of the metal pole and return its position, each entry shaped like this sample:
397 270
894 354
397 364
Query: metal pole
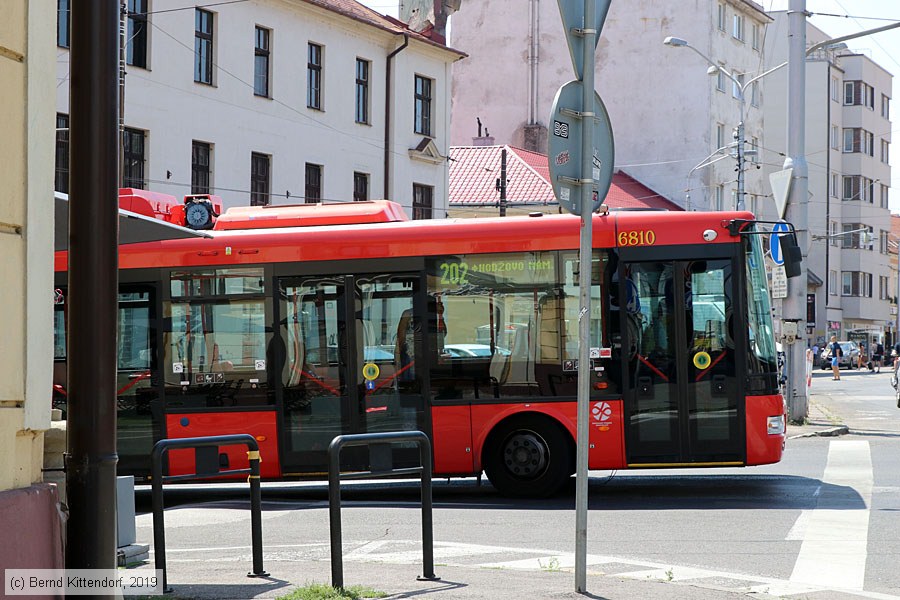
256 514
794 307
334 512
93 282
159 527
740 156
584 313
502 182
427 510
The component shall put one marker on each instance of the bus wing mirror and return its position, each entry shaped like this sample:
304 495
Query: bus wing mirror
792 255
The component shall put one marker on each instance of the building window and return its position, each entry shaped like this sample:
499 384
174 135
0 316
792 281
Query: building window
755 94
136 40
737 30
857 187
884 195
754 149
200 163
835 137
203 46
835 89
259 179
856 283
423 105
62 153
858 239
720 80
721 17
63 22
314 77
360 187
835 184
885 107
832 283
719 198
737 86
857 139
720 135
883 238
423 201
833 233
755 36
362 90
133 153
261 63
313 183
884 288
858 93
885 151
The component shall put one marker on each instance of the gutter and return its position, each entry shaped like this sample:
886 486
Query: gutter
387 115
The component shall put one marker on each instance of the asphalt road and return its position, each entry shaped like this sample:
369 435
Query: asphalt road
823 523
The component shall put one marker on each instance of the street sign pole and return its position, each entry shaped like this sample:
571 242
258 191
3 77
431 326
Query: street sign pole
585 252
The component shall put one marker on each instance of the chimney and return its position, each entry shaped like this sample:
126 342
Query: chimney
482 140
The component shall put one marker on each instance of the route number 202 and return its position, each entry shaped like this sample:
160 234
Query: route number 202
643 237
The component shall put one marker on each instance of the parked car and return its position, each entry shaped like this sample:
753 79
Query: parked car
849 359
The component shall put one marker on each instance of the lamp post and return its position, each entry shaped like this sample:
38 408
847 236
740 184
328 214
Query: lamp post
741 88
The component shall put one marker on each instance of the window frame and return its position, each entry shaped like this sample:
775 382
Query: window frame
134 160
63 23
262 39
721 17
422 113
313 183
363 67
201 174
260 183
314 68
137 32
204 47
360 186
737 26
423 201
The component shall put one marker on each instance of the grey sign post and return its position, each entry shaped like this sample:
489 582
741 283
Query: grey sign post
590 172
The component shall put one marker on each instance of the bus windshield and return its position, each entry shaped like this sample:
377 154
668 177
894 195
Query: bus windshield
761 358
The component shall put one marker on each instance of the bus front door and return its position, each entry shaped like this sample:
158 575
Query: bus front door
352 363
681 398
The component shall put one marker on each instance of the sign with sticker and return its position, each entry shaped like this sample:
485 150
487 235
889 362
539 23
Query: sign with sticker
601 413
370 372
370 385
178 367
595 352
702 360
260 365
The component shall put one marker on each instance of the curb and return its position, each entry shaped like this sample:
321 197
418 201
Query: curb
830 432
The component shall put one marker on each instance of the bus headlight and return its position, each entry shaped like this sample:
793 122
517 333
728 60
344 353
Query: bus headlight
775 425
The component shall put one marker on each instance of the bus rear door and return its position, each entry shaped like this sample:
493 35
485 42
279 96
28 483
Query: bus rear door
682 399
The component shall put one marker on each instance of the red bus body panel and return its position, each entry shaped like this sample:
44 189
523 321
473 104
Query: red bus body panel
452 440
763 448
262 425
607 436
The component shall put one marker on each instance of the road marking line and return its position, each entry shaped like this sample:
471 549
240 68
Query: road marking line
833 553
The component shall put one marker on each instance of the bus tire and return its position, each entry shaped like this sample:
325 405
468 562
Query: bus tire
529 456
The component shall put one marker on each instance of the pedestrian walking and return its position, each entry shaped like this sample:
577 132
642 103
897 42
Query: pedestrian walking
836 353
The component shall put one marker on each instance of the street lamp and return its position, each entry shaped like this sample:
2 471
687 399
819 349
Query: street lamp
714 69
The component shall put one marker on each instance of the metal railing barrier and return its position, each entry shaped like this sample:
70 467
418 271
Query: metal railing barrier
334 493
157 479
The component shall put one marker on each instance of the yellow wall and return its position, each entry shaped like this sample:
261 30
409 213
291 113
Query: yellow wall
27 122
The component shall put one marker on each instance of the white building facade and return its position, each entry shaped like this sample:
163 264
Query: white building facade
279 102
848 139
668 115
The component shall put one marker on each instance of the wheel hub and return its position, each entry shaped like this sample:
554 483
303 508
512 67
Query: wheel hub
525 454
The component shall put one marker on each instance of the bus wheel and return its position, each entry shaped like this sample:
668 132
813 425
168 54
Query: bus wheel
528 456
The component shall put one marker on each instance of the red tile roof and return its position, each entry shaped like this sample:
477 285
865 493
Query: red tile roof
474 171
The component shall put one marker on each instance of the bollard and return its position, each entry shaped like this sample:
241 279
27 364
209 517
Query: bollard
334 494
157 479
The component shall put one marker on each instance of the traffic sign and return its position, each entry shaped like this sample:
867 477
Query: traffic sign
572 13
779 282
781 189
564 148
778 230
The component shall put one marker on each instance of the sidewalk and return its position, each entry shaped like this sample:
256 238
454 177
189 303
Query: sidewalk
820 422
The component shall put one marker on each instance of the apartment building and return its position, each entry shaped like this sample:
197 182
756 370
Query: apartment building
848 142
671 119
278 102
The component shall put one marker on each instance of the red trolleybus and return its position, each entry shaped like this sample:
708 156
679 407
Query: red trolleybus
297 324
